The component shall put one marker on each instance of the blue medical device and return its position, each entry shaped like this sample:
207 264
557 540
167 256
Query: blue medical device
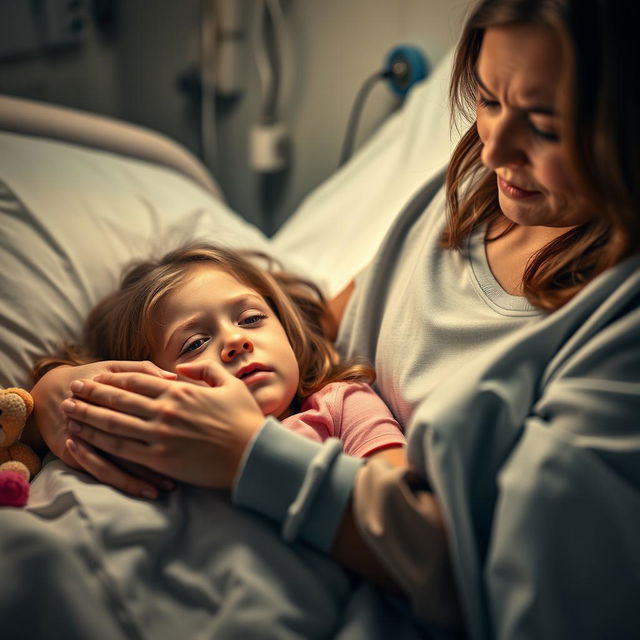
405 65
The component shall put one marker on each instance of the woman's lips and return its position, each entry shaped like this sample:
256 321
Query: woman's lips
513 192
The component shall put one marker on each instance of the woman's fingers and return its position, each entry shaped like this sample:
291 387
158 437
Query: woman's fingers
139 384
195 433
108 419
120 392
53 388
158 480
108 473
116 445
141 366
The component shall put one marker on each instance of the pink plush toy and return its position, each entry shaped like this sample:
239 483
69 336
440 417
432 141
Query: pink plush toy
18 462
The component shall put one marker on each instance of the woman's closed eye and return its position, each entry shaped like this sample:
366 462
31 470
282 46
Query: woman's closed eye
487 103
543 134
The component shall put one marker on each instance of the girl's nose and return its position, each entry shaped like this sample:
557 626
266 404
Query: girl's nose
234 346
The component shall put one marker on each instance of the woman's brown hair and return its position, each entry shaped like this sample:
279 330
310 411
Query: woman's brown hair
600 127
120 327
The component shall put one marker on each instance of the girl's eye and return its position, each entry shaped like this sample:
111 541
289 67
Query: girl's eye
254 318
193 345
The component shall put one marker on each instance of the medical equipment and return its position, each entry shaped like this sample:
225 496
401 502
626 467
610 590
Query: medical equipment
220 66
404 67
269 139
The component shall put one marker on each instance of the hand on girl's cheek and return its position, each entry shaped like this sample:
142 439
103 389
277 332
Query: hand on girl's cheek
183 378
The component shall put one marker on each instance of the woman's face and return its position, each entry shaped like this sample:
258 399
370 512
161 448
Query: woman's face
519 73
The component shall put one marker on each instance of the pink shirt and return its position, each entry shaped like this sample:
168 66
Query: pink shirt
352 412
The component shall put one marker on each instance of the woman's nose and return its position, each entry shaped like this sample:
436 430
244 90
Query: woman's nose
502 146
236 344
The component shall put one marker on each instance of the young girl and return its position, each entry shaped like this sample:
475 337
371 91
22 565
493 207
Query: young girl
265 326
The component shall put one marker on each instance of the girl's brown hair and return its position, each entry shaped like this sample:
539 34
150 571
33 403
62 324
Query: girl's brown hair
600 128
120 327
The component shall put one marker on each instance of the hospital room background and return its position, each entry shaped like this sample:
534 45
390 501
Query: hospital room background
110 151
303 129
280 77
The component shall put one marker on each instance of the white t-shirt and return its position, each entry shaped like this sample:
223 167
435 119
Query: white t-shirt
446 307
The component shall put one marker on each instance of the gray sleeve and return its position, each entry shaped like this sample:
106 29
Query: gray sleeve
564 559
535 457
272 475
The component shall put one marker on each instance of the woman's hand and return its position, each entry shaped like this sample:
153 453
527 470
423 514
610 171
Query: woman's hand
195 433
50 421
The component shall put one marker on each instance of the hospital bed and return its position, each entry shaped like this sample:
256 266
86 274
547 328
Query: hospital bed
80 197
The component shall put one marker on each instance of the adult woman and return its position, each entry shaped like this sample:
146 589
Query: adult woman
536 315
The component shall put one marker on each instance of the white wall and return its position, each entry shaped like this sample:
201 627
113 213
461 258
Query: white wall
338 43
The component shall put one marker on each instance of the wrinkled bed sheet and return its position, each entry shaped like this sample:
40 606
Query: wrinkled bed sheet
85 561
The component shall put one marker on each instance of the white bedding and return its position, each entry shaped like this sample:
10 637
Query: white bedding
70 218
189 565
95 563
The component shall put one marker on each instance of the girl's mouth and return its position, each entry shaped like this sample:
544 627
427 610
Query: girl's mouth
253 373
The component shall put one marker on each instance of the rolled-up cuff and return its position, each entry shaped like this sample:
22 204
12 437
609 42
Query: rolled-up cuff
273 471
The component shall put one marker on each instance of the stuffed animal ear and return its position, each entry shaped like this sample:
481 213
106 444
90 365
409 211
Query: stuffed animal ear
25 397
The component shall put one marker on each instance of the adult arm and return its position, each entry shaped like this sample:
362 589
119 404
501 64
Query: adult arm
396 456
564 559
380 521
216 436
393 532
337 308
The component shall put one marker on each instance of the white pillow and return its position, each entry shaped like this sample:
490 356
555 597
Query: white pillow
70 219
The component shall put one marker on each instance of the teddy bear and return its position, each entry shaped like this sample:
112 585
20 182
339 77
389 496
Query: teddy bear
18 462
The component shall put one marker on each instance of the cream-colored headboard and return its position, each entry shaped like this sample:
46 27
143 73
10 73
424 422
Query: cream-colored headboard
18 115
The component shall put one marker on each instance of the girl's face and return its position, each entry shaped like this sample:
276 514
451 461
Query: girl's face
519 75
212 315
